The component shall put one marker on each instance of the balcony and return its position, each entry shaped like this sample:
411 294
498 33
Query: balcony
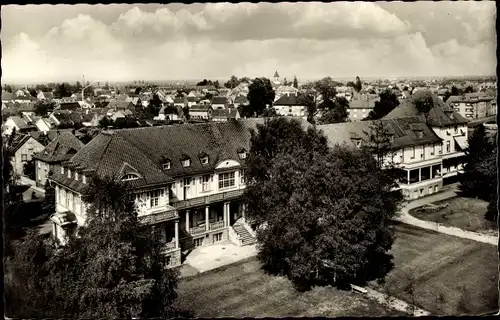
206 200
197 230
216 225
164 213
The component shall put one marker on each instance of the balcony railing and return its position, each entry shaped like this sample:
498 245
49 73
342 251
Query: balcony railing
168 213
197 230
216 225
182 204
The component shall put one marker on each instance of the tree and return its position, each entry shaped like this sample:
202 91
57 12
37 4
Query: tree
202 83
285 82
232 83
387 102
309 102
469 89
260 95
78 86
29 169
357 85
479 177
185 111
326 88
334 111
455 91
324 214
49 202
43 108
424 104
62 90
114 268
8 88
105 122
138 90
216 84
154 105
295 82
32 92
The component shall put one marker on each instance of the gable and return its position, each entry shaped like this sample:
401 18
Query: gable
228 163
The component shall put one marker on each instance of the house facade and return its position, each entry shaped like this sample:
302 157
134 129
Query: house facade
184 185
290 105
360 106
222 115
18 124
472 106
23 148
201 111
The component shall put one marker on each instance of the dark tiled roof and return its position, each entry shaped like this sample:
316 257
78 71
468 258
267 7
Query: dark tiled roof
20 122
225 113
178 100
69 106
116 104
200 108
287 100
18 141
7 96
26 107
62 148
241 100
220 100
71 183
362 102
48 95
440 115
403 130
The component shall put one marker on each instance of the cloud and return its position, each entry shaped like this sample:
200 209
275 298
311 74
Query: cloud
308 40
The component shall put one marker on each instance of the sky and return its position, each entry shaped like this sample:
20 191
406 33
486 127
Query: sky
42 43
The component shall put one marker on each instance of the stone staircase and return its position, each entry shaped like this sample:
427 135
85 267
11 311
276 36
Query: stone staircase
245 237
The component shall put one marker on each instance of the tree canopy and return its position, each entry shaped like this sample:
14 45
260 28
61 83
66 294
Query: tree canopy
260 95
43 107
357 85
388 100
232 83
114 267
295 82
324 214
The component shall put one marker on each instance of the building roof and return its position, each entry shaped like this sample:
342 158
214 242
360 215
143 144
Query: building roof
26 107
403 130
69 106
362 102
144 150
288 100
200 108
6 96
440 115
241 100
18 141
276 75
116 104
48 95
62 148
225 113
20 122
220 100
50 135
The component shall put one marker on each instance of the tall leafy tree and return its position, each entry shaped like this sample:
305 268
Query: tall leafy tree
324 214
334 111
295 82
308 100
232 83
357 85
424 103
388 100
43 108
154 105
479 177
260 95
185 111
326 88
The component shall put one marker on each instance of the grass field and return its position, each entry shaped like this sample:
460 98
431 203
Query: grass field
461 212
244 290
442 265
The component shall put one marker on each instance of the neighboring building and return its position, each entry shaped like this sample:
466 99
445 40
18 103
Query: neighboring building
201 111
360 106
222 115
284 91
185 185
191 101
180 102
23 148
45 124
64 146
45 96
346 92
290 105
220 102
17 123
241 101
169 113
447 124
26 108
70 106
8 97
473 106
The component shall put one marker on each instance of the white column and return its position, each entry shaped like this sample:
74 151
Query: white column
228 213
207 218
176 234
187 220
408 174
419 174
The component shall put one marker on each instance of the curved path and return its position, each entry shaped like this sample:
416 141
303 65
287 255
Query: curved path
405 217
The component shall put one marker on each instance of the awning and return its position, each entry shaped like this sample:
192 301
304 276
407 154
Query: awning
64 218
462 145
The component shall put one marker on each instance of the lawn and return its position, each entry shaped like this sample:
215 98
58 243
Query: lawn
461 212
244 290
441 266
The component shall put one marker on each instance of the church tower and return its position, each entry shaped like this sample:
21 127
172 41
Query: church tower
276 77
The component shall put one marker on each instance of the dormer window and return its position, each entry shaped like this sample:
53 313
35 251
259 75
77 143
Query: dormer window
186 162
69 173
84 179
419 133
76 176
204 160
62 170
130 176
166 165
242 153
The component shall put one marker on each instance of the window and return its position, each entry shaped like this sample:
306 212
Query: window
77 204
76 176
421 192
130 176
456 129
205 183
433 149
39 164
24 157
435 188
62 170
226 180
186 163
67 199
186 183
69 173
218 237
167 260
242 176
242 154
440 148
198 242
84 179
166 165
412 153
447 146
204 160
154 197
